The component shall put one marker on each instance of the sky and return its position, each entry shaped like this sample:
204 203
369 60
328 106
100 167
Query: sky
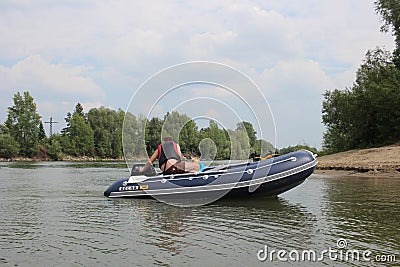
98 53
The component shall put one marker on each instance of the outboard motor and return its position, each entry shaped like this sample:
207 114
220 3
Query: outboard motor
151 171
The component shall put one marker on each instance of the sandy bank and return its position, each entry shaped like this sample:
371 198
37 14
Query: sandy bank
383 161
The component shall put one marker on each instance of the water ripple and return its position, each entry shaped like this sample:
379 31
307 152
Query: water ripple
58 216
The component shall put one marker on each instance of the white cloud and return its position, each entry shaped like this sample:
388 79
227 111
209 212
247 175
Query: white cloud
300 75
53 86
135 45
37 74
100 52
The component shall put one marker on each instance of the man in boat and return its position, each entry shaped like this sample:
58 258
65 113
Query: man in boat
170 159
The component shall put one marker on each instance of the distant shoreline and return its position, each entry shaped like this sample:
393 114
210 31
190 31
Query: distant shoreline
381 161
66 159
371 162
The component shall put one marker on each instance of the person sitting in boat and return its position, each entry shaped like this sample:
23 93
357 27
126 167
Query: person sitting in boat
170 159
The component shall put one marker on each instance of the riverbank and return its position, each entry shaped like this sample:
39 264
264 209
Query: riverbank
66 158
381 161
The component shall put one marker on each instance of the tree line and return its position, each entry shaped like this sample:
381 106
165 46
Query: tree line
98 133
367 114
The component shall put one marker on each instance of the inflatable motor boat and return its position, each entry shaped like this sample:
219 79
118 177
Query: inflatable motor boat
269 177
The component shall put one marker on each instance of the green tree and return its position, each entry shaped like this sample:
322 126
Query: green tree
133 138
240 142
107 126
116 143
23 123
153 134
173 123
376 93
367 114
251 133
183 129
8 146
297 147
188 138
129 135
336 115
220 140
79 110
78 136
3 129
42 133
208 149
55 148
263 147
390 12
81 136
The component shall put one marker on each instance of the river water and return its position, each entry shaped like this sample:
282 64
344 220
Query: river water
55 214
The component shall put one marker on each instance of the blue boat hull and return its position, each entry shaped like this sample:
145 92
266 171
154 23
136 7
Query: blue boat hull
268 178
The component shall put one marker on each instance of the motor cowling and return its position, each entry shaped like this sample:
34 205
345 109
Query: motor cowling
151 171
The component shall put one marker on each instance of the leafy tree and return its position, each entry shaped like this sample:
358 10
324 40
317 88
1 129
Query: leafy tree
297 147
211 142
23 123
107 126
173 123
219 137
42 133
8 146
81 136
133 138
67 119
3 129
263 147
377 94
183 129
55 148
78 136
188 138
251 133
79 110
116 143
208 149
336 115
367 114
240 142
390 12
99 132
130 137
153 134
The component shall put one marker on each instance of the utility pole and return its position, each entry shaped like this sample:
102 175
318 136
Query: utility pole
51 125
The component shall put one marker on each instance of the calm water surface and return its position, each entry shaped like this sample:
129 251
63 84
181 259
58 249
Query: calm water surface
55 214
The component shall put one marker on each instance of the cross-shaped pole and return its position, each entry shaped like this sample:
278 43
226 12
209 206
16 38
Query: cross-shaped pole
51 125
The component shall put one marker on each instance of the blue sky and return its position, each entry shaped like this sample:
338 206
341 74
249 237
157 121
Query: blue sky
100 52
